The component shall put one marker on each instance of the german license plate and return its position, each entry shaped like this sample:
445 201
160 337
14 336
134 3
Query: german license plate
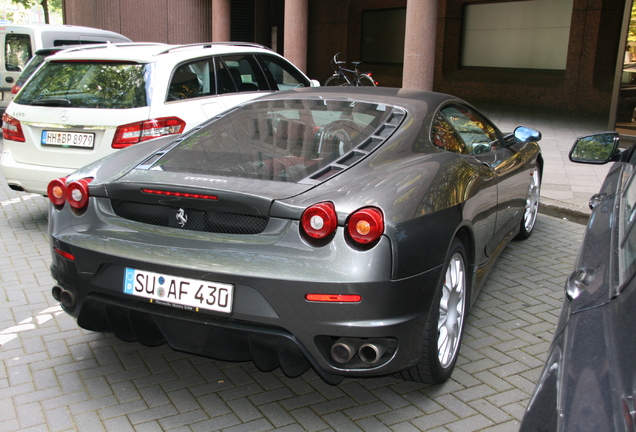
68 139
183 293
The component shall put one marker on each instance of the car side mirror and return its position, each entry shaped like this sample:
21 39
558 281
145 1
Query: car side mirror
525 134
595 149
314 83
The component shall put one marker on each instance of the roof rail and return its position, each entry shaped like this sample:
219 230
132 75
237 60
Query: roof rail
210 44
110 44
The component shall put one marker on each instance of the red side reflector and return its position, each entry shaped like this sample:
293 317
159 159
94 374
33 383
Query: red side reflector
180 194
334 298
63 254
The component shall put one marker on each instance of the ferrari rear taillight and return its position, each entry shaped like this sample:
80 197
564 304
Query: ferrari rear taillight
319 220
366 225
134 133
12 129
363 227
56 191
77 193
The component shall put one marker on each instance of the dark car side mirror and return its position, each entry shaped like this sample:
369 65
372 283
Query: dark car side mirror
525 134
595 149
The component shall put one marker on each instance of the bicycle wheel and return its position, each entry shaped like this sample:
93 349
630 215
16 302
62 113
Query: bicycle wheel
365 80
336 80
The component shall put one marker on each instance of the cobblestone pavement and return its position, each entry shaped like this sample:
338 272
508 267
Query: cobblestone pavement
55 376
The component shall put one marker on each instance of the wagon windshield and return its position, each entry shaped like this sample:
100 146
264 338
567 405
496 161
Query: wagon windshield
88 85
278 140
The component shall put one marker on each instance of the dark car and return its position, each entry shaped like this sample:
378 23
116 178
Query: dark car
344 230
588 382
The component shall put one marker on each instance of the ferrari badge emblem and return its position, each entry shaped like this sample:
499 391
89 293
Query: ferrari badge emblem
182 217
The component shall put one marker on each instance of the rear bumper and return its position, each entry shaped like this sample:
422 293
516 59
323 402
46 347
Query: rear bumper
271 324
26 177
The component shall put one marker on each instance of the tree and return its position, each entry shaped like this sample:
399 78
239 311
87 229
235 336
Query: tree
47 5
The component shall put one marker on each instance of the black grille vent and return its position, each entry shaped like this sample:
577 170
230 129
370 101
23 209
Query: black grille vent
190 219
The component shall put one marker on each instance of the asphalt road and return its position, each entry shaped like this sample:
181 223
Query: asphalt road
55 376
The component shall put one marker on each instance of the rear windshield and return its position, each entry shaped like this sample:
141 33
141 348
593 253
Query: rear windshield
88 85
279 140
32 66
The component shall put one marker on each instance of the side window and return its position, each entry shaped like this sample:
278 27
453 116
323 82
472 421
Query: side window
479 136
627 243
445 137
285 76
17 51
191 80
224 81
240 73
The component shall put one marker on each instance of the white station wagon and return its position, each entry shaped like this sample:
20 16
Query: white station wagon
85 103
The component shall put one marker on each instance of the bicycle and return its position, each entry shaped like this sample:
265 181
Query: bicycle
340 78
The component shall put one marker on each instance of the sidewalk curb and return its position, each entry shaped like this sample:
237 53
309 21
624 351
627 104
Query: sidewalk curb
564 211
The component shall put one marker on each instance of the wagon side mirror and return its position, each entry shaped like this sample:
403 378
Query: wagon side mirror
595 149
525 134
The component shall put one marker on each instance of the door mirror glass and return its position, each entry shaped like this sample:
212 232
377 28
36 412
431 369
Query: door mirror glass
525 134
595 149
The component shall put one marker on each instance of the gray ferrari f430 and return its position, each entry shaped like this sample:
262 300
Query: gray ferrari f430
344 229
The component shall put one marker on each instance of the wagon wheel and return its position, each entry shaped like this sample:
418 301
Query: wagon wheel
445 324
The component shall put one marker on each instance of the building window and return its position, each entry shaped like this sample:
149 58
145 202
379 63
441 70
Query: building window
383 35
517 34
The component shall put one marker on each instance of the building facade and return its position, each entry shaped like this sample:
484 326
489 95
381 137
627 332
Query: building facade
553 54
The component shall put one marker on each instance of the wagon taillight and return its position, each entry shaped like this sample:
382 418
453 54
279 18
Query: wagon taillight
133 133
12 128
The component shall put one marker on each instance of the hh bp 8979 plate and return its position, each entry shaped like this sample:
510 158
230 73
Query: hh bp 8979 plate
68 139
181 292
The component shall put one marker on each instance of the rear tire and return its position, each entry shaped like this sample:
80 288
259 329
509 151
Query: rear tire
336 80
445 325
366 81
531 209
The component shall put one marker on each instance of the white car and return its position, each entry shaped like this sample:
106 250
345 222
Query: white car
85 103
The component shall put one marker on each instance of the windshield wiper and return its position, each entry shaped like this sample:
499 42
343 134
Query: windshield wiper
52 102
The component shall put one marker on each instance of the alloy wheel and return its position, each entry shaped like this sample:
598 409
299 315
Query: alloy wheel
452 308
532 202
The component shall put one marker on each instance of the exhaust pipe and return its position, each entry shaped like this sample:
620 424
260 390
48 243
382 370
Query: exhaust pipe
65 297
344 349
372 351
56 292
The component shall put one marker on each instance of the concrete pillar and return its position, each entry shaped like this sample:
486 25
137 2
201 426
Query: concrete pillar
295 32
220 20
419 44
